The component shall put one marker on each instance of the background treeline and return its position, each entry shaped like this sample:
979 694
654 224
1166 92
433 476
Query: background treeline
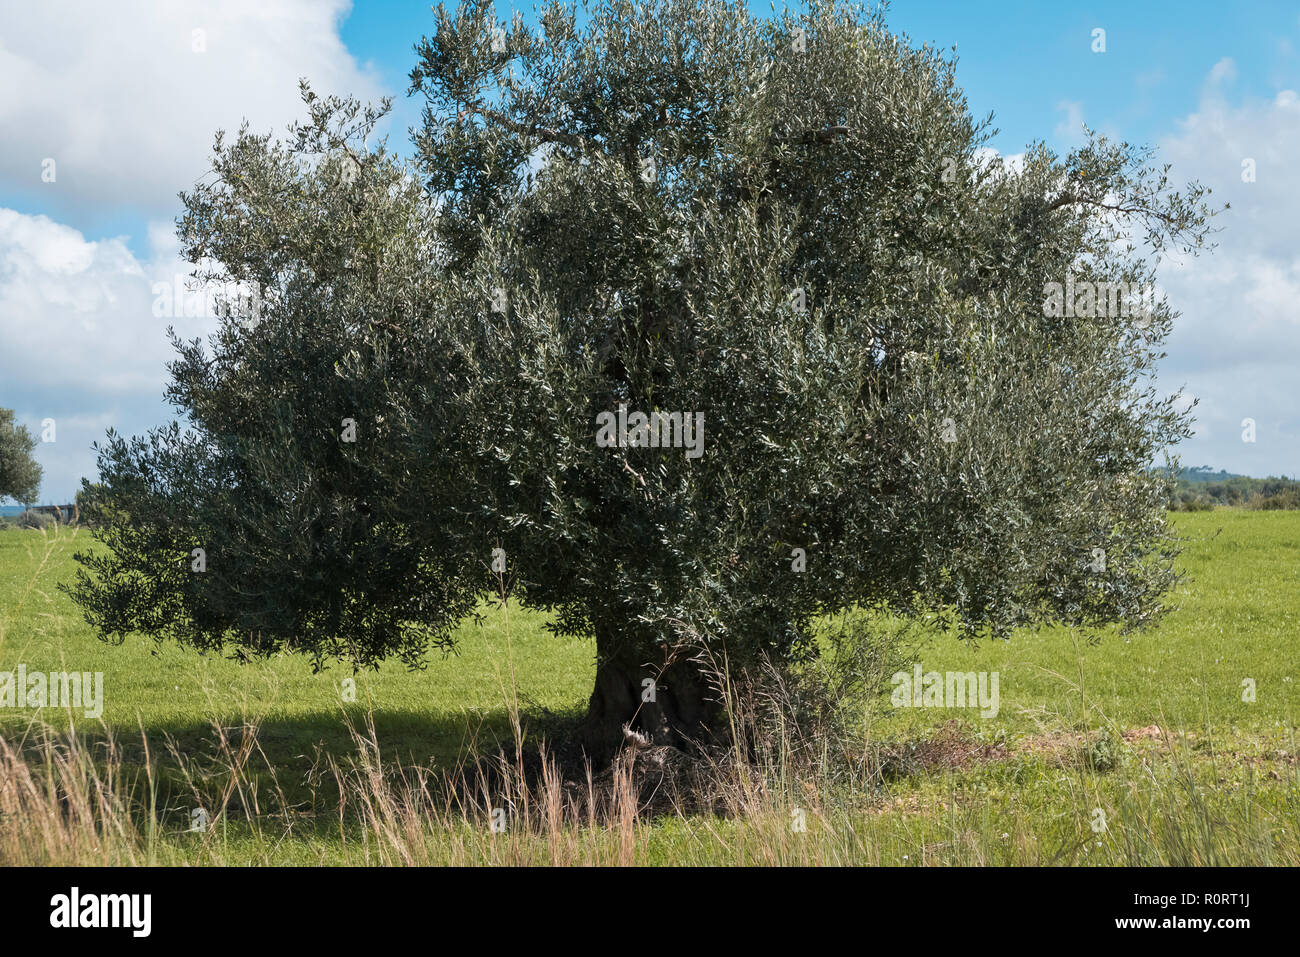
1196 489
1199 489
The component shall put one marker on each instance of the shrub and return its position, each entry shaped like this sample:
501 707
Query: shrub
1104 752
30 519
1277 501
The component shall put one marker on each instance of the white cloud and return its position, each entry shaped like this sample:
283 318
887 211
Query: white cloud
1013 162
77 310
1237 345
82 345
117 96
1070 129
1222 73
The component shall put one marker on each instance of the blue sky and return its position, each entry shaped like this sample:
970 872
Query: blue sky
1018 59
123 101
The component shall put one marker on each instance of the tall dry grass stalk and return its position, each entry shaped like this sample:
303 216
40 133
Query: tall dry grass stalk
59 804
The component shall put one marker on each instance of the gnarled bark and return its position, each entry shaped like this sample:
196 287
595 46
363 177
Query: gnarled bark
671 703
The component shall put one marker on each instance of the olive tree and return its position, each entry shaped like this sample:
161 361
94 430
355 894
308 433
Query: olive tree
686 327
20 473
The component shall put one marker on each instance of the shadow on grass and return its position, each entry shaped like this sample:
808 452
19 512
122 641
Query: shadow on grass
282 764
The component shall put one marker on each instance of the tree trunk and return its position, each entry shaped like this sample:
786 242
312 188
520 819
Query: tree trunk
673 704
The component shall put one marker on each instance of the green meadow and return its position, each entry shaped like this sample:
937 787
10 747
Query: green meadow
1154 728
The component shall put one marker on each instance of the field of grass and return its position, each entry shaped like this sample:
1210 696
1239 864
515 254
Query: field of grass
1148 730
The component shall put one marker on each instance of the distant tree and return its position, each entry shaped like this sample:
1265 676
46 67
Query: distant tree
789 228
1196 494
20 474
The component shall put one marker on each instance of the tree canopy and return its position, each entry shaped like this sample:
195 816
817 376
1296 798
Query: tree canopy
20 473
685 326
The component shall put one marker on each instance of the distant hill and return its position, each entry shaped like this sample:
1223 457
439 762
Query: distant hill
1199 474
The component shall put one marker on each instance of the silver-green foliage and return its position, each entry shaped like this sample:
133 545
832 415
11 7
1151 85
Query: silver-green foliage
787 225
20 473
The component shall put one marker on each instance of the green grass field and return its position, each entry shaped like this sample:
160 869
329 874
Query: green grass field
1219 773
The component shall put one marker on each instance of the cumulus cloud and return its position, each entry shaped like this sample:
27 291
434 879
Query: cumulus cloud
1237 345
1070 129
1013 162
78 309
125 97
83 345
